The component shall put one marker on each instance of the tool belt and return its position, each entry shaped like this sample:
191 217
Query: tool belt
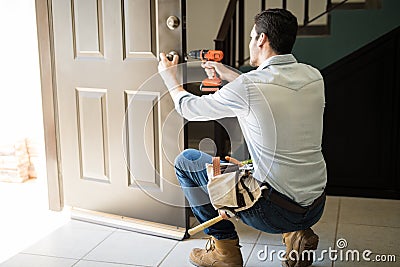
231 188
287 204
236 190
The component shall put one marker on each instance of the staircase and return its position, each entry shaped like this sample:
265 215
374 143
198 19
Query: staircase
361 139
313 17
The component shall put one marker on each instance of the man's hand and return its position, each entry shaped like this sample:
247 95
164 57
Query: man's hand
224 214
168 70
212 67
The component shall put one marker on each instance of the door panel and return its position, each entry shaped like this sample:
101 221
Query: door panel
143 142
139 28
92 134
87 27
118 130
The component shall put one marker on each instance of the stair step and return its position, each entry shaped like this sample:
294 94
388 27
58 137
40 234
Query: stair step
314 30
351 6
324 29
368 4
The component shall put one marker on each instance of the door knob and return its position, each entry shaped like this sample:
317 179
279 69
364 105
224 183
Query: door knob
171 54
173 22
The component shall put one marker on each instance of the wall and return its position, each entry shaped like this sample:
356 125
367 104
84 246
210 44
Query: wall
350 30
203 23
203 19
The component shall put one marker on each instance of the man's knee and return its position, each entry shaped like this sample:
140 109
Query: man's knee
186 157
192 160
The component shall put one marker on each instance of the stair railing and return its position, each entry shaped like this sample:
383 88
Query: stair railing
226 37
329 8
234 19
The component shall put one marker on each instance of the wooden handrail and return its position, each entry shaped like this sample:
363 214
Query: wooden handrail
306 11
241 38
329 8
228 28
328 4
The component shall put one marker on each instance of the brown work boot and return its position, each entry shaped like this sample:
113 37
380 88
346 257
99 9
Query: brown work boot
218 253
299 241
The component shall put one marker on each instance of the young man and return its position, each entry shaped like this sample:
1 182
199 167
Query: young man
279 107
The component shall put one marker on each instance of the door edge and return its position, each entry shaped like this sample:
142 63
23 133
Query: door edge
49 104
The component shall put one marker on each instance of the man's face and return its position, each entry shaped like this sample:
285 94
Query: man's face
253 48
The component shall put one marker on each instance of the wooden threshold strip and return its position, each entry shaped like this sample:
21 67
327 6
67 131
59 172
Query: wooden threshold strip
130 224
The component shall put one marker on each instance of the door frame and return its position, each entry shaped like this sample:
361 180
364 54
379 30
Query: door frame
45 36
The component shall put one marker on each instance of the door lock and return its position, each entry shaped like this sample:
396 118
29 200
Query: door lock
173 22
171 54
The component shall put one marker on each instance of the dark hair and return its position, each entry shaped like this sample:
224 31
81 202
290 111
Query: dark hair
280 26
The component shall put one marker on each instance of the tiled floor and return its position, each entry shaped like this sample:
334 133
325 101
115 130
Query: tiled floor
364 223
25 217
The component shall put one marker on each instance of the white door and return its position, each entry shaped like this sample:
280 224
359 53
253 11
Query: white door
118 131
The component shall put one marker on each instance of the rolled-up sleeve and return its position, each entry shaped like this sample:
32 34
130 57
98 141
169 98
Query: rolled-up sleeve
230 101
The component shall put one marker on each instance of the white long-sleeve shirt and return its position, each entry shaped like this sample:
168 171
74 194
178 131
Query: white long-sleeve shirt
280 108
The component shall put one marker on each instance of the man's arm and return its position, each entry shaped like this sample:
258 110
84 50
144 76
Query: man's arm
168 71
230 101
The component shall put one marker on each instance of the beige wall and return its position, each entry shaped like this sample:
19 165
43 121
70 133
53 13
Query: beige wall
204 18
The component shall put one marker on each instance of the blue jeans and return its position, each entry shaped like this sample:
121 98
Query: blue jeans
263 215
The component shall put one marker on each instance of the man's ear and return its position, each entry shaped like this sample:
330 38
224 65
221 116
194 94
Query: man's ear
262 39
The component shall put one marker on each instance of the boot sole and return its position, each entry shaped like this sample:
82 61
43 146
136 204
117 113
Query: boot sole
195 264
308 242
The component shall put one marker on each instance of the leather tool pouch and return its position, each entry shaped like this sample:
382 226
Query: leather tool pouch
231 188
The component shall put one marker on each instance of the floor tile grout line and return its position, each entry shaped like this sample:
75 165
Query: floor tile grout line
45 255
75 263
48 256
269 244
251 252
95 247
258 237
113 262
373 225
252 249
166 256
337 227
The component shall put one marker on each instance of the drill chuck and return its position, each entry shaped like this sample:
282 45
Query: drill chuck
195 54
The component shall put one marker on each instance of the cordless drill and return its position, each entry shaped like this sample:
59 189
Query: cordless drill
213 84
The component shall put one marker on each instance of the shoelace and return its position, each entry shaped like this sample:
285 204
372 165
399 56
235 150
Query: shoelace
210 245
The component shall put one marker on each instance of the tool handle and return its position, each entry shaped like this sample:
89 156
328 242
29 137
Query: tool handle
204 225
234 161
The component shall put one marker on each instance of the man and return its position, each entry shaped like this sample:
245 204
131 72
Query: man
279 107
